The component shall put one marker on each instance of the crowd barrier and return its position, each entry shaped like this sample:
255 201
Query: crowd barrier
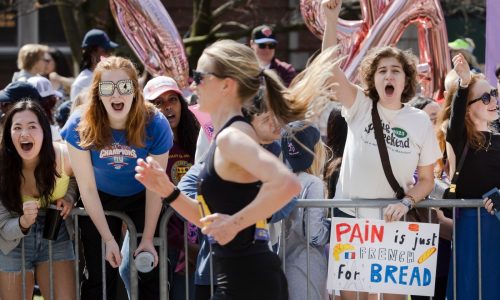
161 241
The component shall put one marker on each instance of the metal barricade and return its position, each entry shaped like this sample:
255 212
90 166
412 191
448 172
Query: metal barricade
76 212
164 292
381 204
161 241
331 204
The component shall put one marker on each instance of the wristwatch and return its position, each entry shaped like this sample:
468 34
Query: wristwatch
171 198
407 202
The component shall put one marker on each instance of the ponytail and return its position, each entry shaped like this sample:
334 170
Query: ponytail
310 90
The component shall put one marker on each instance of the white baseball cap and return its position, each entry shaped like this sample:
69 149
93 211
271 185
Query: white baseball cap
43 86
159 85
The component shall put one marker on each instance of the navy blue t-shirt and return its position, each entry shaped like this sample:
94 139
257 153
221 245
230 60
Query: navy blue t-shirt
114 165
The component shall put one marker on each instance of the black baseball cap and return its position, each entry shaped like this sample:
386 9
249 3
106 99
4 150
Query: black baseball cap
99 38
263 34
18 90
298 147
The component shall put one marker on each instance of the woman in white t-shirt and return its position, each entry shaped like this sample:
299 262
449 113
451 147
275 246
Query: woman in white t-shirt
389 77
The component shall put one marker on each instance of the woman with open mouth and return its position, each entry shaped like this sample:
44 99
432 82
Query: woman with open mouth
34 173
164 93
474 110
105 139
406 135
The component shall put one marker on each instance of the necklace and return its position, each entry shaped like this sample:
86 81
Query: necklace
120 140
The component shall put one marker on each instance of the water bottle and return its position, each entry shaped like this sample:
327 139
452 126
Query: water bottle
144 262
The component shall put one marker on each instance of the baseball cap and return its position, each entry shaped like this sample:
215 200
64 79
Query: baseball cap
159 85
18 90
298 147
263 34
43 86
97 37
462 44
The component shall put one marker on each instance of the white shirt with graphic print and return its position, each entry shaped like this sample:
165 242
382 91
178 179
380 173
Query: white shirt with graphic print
410 141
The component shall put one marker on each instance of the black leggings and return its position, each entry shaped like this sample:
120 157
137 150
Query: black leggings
91 288
257 276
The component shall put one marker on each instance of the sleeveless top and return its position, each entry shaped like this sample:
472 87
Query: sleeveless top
228 197
61 186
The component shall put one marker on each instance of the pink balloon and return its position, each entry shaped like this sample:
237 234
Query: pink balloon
152 35
384 21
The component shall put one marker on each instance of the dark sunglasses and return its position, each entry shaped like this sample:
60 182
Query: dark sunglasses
124 87
486 97
268 45
199 76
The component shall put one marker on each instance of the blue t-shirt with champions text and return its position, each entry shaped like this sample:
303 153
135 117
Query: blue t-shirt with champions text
114 165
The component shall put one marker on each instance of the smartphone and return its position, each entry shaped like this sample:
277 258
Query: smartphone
494 195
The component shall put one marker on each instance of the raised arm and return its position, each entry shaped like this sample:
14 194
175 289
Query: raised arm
345 91
455 134
82 167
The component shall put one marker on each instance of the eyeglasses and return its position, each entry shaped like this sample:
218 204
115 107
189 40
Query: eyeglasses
124 87
269 46
199 76
486 97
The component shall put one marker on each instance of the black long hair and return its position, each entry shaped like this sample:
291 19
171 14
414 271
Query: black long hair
63 68
11 168
188 129
88 61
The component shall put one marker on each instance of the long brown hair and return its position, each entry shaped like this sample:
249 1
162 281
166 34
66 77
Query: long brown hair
94 127
370 63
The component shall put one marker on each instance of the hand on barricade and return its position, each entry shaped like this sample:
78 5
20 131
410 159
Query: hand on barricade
147 245
221 227
113 254
30 212
488 204
64 206
394 212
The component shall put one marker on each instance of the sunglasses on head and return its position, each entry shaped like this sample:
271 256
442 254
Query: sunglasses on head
267 45
124 87
486 97
199 76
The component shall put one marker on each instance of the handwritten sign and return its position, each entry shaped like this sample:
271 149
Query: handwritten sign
374 256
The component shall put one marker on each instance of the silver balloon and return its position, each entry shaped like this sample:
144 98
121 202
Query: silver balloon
383 23
152 35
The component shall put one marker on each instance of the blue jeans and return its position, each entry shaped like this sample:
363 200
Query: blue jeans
37 248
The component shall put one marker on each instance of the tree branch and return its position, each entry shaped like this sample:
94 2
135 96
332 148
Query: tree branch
228 5
192 41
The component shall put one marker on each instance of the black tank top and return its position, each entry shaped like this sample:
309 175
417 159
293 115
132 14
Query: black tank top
229 197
